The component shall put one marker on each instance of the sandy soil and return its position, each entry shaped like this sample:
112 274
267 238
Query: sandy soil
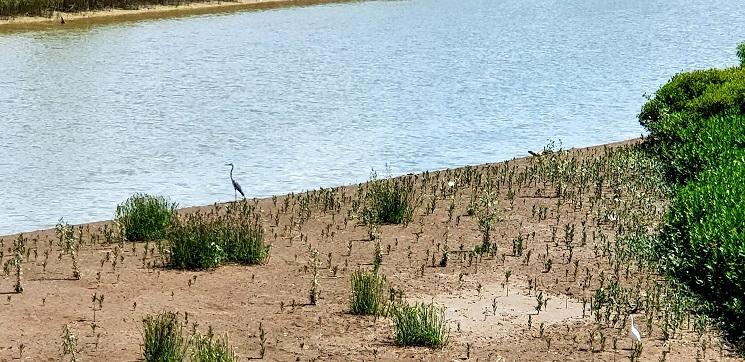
488 317
78 19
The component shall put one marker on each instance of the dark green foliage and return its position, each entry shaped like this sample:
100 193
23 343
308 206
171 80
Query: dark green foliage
203 241
697 94
697 129
389 201
164 341
703 145
741 53
689 108
210 349
420 325
703 241
368 293
145 217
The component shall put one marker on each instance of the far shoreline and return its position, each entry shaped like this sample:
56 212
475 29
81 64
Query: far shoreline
99 17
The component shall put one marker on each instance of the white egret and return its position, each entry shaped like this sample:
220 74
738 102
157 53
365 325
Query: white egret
636 337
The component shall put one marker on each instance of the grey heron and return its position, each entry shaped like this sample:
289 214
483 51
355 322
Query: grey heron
236 186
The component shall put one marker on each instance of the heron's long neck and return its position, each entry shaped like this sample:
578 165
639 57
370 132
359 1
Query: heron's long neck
231 171
632 320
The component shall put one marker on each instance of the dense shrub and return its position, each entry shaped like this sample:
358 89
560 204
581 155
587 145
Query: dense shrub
389 201
704 145
741 53
696 125
164 341
145 217
703 241
696 95
420 325
691 103
368 293
202 241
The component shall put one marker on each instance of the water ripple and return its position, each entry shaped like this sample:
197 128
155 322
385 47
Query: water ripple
306 97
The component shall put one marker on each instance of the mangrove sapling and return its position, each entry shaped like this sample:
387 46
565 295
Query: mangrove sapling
487 214
377 257
69 344
444 259
540 302
314 292
506 283
262 340
19 246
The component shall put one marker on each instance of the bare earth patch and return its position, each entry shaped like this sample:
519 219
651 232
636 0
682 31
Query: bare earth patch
493 313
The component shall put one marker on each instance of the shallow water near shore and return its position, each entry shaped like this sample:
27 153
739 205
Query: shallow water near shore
309 97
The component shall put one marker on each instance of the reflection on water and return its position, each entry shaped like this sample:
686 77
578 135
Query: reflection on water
300 98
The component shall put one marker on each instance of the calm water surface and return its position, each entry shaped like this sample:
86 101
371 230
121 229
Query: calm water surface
301 98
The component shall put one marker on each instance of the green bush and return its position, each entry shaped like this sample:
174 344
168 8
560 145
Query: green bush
203 241
164 341
389 201
693 102
696 125
208 349
704 145
368 293
145 217
703 240
741 53
420 325
696 95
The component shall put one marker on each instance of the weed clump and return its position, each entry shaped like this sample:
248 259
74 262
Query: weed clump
204 241
420 325
368 293
388 201
145 217
164 341
207 348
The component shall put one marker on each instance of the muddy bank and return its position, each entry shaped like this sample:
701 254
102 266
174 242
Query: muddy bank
92 18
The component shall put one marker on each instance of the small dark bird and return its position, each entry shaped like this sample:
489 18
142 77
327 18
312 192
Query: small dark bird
533 154
236 186
61 20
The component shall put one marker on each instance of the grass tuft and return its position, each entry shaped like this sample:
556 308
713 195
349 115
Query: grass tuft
145 217
420 325
207 348
203 241
164 341
388 201
368 293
